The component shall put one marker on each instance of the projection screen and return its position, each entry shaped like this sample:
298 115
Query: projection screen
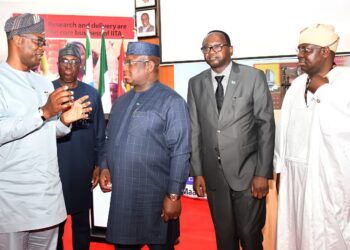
267 28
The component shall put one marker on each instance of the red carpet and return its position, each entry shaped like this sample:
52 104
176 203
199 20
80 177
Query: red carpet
197 231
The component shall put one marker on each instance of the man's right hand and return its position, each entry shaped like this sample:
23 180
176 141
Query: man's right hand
199 186
105 181
59 100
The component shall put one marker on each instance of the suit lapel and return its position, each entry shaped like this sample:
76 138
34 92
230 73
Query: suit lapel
232 84
209 89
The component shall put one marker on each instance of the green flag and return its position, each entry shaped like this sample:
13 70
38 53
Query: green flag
89 78
103 87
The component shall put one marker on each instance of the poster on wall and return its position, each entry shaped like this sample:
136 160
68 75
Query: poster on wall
272 73
146 23
63 29
145 3
189 190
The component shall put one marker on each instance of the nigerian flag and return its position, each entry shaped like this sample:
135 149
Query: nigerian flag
103 86
89 69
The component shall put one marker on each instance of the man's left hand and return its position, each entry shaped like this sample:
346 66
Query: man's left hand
171 209
260 187
95 177
79 110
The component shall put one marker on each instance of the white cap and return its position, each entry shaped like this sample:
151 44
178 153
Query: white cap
320 34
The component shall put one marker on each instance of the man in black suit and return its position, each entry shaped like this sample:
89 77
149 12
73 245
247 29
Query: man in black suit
232 143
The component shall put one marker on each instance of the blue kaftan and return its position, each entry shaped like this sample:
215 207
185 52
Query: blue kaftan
80 151
148 148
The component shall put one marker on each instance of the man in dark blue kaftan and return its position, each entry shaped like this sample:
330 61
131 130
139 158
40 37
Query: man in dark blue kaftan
147 156
79 152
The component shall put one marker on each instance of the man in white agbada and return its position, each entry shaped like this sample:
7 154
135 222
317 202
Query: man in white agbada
312 151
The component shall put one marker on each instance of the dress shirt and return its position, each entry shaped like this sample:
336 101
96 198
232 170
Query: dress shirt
224 81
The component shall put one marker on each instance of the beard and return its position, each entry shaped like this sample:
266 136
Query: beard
32 62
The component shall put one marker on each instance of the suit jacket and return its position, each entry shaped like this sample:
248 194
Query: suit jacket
242 135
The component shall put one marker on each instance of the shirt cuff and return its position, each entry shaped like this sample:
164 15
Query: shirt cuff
63 128
103 164
175 188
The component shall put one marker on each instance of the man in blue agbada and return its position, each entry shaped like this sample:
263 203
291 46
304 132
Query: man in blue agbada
79 152
148 144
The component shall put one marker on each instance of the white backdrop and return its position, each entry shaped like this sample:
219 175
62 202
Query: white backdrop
256 28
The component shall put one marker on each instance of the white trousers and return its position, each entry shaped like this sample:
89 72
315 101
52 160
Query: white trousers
43 239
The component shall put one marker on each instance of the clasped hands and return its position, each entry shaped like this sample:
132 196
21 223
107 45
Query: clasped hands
62 101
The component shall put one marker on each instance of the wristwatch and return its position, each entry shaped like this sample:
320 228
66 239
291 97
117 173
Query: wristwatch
173 197
41 113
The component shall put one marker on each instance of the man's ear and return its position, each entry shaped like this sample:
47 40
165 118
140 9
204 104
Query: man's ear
17 40
151 65
325 51
231 50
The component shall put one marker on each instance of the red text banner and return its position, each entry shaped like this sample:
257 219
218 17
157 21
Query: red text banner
62 26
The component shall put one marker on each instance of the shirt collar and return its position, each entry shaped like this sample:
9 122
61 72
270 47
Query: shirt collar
225 73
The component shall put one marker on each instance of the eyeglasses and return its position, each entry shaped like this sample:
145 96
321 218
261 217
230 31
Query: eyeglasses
73 62
307 50
129 63
215 48
41 42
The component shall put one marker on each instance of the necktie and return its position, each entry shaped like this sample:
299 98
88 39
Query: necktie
219 93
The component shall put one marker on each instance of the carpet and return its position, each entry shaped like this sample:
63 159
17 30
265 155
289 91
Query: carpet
197 231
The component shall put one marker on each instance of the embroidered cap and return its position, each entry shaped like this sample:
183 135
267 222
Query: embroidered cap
320 34
70 49
24 24
142 48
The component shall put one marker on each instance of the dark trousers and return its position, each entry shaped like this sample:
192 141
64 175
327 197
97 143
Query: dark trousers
172 235
138 247
80 231
238 217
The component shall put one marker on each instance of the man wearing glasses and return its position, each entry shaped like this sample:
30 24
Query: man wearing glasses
79 152
312 152
32 114
147 162
232 143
